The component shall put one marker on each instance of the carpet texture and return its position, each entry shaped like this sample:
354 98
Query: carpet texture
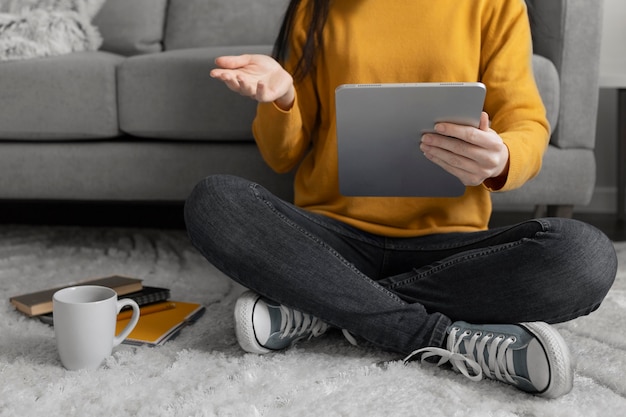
204 373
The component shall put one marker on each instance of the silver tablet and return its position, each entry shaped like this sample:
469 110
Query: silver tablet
379 127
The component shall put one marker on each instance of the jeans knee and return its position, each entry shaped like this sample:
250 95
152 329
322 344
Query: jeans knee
197 203
210 199
597 262
606 264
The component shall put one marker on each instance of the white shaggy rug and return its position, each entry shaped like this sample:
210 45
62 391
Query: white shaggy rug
204 373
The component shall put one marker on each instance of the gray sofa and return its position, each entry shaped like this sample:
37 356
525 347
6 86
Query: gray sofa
141 120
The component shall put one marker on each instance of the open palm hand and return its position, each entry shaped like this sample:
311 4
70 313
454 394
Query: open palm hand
256 76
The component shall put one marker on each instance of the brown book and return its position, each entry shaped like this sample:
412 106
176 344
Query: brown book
37 303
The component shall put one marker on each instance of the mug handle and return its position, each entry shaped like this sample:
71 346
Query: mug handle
133 320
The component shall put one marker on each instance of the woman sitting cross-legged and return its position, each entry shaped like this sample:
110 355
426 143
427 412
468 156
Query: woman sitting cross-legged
424 277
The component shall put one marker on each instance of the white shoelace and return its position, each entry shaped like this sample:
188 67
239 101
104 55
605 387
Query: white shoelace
297 324
294 323
500 359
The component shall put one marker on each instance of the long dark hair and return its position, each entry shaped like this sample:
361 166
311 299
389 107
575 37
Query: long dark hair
314 36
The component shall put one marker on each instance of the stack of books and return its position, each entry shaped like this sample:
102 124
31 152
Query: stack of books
161 318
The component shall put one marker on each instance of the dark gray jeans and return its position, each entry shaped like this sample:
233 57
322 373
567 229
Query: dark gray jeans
400 294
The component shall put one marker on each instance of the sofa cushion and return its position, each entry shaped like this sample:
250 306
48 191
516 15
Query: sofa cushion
131 27
199 23
548 82
171 95
69 96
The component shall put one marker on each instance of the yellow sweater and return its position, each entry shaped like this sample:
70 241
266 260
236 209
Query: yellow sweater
397 41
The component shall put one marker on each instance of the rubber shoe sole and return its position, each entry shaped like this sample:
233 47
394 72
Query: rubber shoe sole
244 326
559 357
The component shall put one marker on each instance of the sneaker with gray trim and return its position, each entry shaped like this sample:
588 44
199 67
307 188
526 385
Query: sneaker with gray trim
263 326
533 357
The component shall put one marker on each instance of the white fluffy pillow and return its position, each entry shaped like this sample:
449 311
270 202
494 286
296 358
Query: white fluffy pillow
40 28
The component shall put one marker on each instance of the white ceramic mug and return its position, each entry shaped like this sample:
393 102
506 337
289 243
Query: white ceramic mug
84 324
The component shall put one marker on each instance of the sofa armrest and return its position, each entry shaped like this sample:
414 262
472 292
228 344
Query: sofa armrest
547 79
568 32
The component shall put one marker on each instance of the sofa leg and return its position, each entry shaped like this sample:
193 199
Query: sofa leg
564 210
541 210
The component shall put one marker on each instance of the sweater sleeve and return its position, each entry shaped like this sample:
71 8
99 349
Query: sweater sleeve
513 102
278 135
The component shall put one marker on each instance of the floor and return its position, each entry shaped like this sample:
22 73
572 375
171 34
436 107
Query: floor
127 214
169 215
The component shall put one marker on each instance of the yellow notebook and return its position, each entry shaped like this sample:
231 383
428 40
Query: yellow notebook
160 322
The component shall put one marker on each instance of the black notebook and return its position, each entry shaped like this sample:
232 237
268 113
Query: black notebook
148 295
